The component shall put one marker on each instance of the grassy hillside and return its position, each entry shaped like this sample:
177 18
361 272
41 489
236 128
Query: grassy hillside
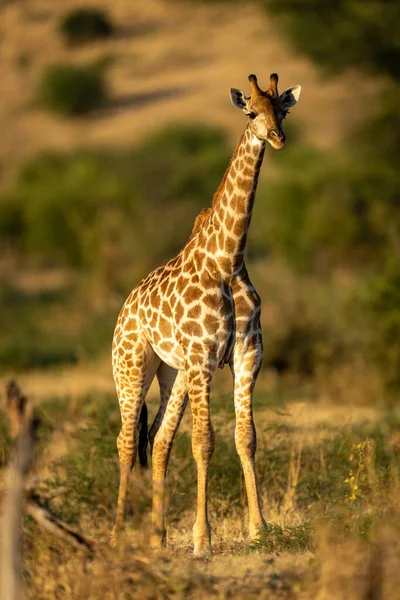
169 61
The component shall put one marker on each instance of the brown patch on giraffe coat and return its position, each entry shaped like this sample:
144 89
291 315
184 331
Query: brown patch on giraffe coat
247 172
191 294
182 281
225 264
245 184
211 346
155 299
212 244
166 309
192 328
194 312
240 225
179 312
198 260
211 300
197 348
166 346
163 286
126 344
242 307
165 328
206 281
230 244
170 288
211 323
229 221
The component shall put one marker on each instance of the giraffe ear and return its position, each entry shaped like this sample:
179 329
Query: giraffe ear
290 97
238 99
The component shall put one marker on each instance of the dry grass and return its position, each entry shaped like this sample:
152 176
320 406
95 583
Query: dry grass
319 545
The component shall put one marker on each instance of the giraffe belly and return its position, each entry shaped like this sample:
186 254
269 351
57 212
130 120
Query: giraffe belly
171 353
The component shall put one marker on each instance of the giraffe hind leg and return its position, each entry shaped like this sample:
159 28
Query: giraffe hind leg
174 398
143 437
245 367
132 384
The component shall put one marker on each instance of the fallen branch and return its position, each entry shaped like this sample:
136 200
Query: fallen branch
36 508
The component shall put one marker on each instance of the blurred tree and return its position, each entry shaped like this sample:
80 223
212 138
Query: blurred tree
83 25
337 34
342 208
73 90
118 213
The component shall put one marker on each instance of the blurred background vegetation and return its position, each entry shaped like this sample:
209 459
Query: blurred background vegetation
324 249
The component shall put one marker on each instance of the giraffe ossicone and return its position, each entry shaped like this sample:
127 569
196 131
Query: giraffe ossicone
197 312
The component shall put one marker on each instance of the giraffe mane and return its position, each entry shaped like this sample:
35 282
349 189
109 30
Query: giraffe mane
200 220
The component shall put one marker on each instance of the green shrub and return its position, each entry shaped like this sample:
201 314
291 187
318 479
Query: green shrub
118 212
73 90
85 25
321 31
25 341
110 216
291 538
383 303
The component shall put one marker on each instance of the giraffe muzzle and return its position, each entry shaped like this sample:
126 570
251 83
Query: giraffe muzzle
276 138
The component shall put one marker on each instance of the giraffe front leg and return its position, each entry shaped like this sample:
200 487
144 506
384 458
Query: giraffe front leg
203 438
173 391
127 451
246 365
132 384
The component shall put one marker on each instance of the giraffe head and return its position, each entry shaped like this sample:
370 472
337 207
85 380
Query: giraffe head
266 110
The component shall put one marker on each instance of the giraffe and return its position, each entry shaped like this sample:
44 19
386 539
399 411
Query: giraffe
198 312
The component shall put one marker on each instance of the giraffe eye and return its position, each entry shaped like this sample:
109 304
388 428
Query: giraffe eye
252 115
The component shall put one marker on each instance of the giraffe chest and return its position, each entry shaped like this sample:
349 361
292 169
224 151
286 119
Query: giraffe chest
196 320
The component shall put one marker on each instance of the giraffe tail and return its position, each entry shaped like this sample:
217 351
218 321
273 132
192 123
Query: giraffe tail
143 437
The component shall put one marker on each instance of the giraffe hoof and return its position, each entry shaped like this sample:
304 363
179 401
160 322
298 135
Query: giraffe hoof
203 552
202 548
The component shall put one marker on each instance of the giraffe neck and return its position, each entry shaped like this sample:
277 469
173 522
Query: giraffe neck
233 204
